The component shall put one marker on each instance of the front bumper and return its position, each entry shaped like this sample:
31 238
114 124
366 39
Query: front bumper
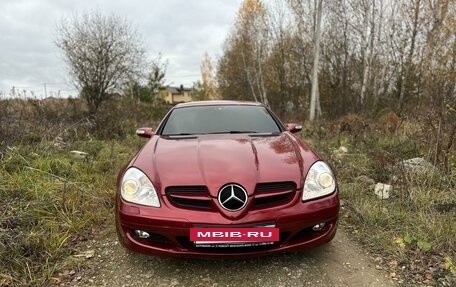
169 228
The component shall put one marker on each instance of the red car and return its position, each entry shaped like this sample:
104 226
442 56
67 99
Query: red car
225 179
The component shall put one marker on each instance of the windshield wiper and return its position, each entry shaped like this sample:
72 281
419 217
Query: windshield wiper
235 132
181 134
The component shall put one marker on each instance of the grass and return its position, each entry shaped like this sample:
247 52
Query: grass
416 227
49 202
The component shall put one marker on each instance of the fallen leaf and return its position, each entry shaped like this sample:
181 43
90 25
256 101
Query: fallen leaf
400 242
408 239
423 245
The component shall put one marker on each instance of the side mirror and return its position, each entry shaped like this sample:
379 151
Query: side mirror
145 132
294 128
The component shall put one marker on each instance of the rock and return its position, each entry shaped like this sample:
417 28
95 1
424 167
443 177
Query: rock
382 190
343 149
364 179
59 143
79 154
418 165
340 152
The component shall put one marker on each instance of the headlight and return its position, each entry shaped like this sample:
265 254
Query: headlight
319 182
136 187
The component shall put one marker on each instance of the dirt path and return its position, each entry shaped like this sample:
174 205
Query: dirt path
340 263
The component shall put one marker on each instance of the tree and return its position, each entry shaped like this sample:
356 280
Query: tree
197 91
279 72
241 70
350 56
148 88
208 86
103 53
308 17
314 94
156 77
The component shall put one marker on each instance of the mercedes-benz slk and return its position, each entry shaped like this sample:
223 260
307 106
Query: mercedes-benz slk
221 179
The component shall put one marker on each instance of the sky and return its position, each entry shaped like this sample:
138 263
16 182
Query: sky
181 30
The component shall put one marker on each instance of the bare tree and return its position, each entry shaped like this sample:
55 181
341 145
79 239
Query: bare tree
103 52
353 56
308 17
252 29
368 37
414 19
314 94
279 72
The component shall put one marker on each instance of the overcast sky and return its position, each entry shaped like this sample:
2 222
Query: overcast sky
181 30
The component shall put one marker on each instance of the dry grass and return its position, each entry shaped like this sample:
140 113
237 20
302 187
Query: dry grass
50 202
415 229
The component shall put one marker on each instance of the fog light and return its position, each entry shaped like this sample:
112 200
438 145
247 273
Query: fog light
318 227
141 234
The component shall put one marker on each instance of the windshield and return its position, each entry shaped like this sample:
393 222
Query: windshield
220 119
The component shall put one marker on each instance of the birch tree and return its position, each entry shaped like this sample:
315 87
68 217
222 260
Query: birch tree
315 109
368 44
308 18
245 55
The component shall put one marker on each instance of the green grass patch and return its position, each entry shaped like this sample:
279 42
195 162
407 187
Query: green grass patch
49 201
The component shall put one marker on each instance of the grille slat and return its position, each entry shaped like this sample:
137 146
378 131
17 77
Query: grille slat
194 197
272 200
186 189
275 186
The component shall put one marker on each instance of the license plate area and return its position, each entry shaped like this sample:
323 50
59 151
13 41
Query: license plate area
233 237
230 244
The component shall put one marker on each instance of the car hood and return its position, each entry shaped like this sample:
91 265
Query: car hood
215 160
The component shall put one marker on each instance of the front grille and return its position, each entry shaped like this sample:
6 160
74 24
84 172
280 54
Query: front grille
193 197
267 194
273 193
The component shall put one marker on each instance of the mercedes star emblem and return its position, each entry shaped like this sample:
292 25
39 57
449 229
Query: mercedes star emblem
232 197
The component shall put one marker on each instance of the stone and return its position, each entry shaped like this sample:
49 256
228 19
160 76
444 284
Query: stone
340 152
79 154
418 165
343 149
383 190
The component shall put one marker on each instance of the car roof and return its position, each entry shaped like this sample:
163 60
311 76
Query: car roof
217 103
